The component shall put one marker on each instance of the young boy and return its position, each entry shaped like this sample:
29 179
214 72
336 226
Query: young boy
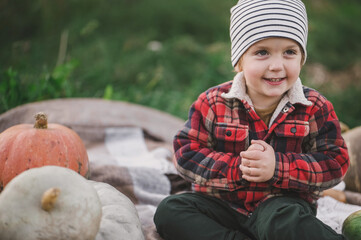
260 149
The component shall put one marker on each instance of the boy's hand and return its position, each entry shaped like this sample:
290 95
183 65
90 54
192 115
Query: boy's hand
258 162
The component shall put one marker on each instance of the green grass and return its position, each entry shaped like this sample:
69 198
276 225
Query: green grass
108 55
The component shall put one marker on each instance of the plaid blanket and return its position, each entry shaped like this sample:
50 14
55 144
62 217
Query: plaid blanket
145 177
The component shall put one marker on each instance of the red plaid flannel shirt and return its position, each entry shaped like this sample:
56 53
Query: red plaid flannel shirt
310 152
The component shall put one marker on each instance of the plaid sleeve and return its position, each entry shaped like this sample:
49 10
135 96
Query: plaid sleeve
323 163
196 158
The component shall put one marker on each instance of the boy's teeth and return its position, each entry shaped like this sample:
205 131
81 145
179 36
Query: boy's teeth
274 79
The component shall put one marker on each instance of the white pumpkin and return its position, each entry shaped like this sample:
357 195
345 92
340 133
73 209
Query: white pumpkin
120 220
49 202
353 175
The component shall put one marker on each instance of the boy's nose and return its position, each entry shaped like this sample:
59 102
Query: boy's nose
276 64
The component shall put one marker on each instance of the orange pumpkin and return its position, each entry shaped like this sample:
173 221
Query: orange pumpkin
25 146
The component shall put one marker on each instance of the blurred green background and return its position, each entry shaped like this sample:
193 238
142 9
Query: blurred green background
158 53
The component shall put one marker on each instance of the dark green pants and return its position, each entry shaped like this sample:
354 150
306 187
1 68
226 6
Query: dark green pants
192 216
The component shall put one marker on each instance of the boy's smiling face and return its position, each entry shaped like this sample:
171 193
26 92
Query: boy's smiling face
270 67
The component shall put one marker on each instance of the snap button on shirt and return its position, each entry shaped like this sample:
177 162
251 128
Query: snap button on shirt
293 130
229 133
285 109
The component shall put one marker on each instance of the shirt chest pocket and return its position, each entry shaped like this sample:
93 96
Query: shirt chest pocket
290 135
231 137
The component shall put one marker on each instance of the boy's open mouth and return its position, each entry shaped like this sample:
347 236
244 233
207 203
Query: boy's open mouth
274 81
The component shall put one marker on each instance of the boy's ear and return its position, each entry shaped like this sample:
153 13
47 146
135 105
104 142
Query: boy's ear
238 68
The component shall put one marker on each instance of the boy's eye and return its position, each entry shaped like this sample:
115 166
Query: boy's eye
290 52
261 53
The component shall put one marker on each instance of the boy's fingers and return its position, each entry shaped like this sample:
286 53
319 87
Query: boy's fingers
249 171
249 163
260 142
245 162
256 146
255 155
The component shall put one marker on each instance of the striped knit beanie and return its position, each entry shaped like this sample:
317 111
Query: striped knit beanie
254 20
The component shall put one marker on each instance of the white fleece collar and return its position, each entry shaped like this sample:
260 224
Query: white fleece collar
294 95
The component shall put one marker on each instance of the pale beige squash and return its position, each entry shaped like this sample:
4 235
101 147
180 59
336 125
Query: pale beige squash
120 220
49 202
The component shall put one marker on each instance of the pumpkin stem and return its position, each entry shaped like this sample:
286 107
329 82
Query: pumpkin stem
41 121
49 198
